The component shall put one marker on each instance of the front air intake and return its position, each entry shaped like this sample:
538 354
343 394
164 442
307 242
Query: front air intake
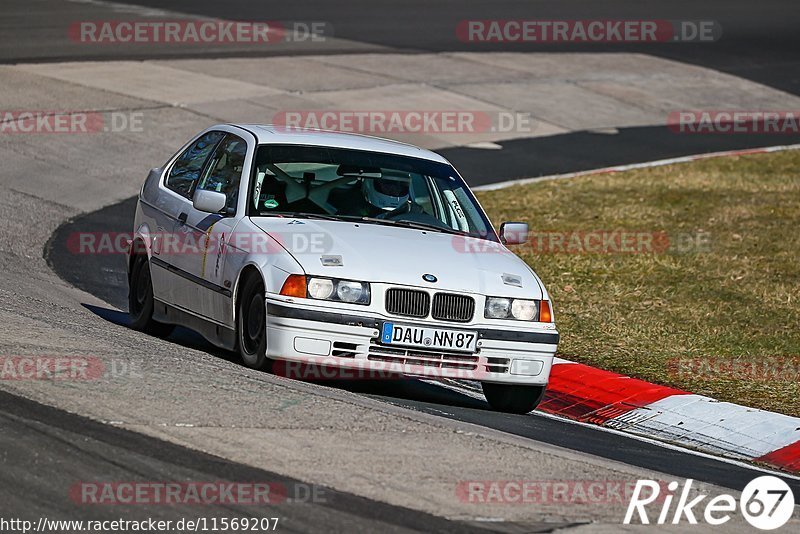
451 307
407 302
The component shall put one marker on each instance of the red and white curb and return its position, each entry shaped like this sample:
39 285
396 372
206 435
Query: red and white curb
589 395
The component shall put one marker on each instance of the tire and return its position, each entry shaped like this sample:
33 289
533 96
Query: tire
140 300
513 398
251 326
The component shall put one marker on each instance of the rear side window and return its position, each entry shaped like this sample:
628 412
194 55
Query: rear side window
186 169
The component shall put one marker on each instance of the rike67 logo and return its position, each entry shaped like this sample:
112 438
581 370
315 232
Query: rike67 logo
766 503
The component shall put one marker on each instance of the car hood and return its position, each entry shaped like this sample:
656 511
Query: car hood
395 255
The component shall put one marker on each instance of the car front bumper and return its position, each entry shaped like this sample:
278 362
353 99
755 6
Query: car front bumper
346 345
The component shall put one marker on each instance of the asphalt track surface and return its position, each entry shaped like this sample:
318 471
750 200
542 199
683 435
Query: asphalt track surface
759 39
759 42
67 445
104 276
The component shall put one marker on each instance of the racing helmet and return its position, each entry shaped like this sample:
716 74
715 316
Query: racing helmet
386 193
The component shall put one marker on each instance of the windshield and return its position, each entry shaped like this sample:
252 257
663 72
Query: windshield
373 187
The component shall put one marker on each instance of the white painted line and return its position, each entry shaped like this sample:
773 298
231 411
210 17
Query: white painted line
631 166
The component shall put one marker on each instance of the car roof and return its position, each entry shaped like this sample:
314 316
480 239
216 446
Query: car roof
271 134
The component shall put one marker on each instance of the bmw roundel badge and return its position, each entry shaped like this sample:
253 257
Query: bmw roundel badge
429 278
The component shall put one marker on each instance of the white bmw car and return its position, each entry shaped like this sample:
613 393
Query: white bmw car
347 251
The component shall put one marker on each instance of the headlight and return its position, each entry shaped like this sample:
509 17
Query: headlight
515 309
497 308
524 310
320 288
350 291
338 290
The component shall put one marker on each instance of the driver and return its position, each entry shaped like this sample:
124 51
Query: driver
385 194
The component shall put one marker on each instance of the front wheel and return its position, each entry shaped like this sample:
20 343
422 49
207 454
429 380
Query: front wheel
252 324
140 300
513 398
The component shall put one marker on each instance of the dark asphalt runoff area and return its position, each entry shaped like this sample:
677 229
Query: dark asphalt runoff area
587 150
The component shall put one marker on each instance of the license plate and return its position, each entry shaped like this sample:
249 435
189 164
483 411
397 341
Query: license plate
428 338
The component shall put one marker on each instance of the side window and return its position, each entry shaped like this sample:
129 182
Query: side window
224 171
186 169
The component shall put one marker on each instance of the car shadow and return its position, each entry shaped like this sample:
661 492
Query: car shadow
410 390
406 391
180 336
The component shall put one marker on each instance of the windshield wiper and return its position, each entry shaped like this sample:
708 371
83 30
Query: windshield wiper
387 222
301 215
375 220
403 222
428 226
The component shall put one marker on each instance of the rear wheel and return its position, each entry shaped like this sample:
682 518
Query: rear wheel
252 324
141 302
513 398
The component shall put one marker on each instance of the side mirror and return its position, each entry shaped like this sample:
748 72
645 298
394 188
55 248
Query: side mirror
513 233
209 201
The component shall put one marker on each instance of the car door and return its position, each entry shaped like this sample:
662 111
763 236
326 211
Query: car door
211 231
170 245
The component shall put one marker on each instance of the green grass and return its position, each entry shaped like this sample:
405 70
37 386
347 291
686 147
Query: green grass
675 316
